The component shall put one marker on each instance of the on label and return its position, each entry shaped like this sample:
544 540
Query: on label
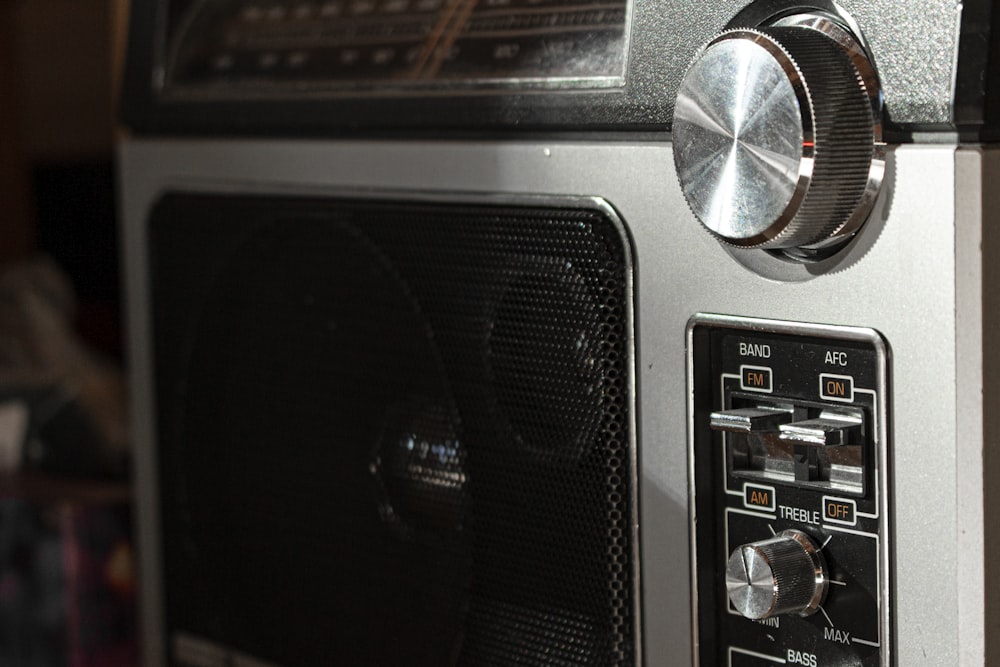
836 387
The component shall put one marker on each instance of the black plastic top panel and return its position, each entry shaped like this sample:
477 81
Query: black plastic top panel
328 67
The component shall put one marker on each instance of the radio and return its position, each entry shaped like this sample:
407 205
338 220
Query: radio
562 332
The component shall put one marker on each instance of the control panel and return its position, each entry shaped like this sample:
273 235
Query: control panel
789 444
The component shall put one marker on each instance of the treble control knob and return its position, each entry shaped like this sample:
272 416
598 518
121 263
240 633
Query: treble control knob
785 574
777 137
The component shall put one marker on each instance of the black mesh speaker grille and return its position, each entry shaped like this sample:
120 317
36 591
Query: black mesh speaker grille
395 433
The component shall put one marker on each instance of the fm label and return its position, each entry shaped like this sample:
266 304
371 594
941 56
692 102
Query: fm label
759 350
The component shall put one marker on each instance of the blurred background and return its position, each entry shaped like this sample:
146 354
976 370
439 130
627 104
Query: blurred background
67 594
59 69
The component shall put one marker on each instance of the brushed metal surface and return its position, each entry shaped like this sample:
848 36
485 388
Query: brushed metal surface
739 130
776 135
785 574
913 43
902 283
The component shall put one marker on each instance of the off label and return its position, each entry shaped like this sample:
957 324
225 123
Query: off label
839 510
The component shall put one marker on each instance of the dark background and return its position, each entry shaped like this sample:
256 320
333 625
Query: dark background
67 585
59 63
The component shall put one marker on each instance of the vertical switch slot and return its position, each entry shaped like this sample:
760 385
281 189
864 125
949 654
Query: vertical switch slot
753 440
794 443
828 448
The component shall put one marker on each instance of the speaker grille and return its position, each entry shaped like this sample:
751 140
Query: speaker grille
395 433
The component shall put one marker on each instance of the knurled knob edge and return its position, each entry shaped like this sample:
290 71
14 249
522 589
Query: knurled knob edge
841 157
844 136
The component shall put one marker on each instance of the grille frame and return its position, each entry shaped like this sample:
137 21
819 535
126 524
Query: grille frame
527 202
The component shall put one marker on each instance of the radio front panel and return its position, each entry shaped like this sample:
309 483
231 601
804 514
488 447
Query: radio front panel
569 332
886 472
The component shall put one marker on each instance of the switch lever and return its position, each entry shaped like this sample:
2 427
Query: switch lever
752 432
826 448
828 430
749 420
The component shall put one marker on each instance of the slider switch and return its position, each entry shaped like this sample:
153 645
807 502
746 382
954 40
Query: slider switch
749 420
825 431
753 435
813 441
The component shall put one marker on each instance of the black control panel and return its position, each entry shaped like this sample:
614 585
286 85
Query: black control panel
789 445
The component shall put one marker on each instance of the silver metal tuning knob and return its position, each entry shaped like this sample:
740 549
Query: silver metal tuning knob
782 575
777 139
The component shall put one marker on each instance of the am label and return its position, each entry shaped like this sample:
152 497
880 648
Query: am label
756 496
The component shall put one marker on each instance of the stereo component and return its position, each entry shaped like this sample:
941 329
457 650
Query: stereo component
789 493
408 285
777 136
